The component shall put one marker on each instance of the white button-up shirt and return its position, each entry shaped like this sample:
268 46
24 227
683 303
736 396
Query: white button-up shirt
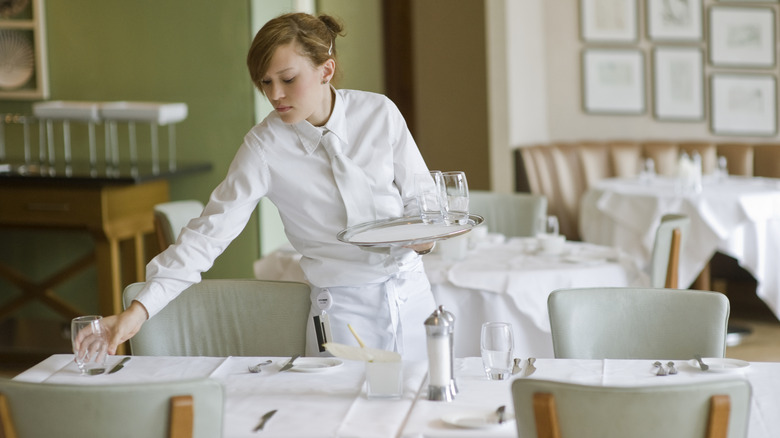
286 163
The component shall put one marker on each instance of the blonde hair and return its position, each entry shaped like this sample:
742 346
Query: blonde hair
315 38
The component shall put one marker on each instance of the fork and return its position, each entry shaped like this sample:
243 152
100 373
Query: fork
661 370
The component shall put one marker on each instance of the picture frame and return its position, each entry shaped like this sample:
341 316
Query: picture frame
24 75
678 83
674 21
613 81
614 21
742 36
743 104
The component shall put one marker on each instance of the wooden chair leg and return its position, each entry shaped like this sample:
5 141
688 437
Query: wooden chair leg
182 417
718 423
673 268
546 416
6 422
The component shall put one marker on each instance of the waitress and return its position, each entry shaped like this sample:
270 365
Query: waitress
327 159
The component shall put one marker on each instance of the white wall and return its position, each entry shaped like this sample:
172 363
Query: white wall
563 48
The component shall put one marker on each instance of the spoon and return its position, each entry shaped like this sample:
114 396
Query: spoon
702 365
500 413
257 368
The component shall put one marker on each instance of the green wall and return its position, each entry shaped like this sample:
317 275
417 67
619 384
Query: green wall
190 51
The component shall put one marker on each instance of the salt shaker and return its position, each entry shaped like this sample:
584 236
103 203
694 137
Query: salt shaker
438 328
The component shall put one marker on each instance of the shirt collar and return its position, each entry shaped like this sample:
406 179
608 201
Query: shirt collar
310 135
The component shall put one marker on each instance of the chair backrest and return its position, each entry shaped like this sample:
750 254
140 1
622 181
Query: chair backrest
739 157
511 214
766 160
637 323
665 258
665 155
227 318
626 158
187 408
714 409
171 217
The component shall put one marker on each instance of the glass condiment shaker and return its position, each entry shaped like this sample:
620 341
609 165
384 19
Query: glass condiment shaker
439 329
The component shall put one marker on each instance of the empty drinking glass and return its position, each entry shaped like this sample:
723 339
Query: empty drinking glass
90 344
430 196
457 196
497 345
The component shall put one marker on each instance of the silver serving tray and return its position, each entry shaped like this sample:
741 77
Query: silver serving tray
403 231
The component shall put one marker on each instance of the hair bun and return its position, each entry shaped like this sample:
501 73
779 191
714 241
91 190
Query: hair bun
333 25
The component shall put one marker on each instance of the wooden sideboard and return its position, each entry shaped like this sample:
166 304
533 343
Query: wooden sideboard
114 207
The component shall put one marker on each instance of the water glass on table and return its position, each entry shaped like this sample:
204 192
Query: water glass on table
497 346
456 189
429 187
90 344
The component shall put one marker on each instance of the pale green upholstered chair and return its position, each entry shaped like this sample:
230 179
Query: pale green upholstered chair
171 217
637 323
227 318
665 258
511 214
548 409
186 408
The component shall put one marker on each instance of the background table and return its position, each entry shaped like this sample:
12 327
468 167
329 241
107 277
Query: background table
737 216
499 279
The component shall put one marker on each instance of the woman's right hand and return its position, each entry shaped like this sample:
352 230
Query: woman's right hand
125 325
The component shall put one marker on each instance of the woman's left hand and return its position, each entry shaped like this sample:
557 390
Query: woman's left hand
423 248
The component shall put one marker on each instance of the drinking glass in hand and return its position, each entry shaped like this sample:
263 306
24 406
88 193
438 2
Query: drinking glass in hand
90 344
497 345
457 192
430 196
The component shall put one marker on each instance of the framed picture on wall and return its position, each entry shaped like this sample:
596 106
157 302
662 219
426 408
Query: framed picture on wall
742 37
743 104
678 83
678 20
613 81
609 20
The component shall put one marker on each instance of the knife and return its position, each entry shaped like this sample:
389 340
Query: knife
530 368
289 363
120 365
267 416
500 413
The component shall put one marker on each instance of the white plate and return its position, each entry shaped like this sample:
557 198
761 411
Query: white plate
315 364
476 420
721 365
403 231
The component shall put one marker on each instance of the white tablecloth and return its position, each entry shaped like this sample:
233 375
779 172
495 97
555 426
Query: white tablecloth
333 404
479 395
322 404
500 280
737 216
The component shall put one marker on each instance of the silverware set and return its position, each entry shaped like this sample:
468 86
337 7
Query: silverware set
529 368
663 371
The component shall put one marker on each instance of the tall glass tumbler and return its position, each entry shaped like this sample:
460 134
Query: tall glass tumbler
90 344
457 195
429 187
496 345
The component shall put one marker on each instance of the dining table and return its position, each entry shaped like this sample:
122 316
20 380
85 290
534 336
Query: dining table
738 216
483 277
332 401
